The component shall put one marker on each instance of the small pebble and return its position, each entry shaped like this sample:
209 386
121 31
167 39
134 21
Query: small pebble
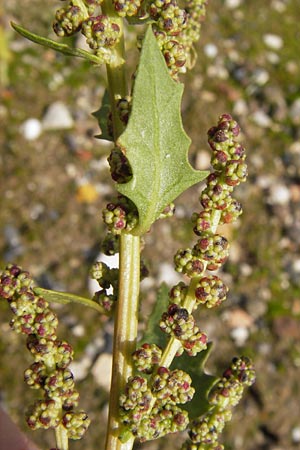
279 194
211 50
239 335
273 41
261 119
102 370
240 107
31 129
232 4
296 435
57 117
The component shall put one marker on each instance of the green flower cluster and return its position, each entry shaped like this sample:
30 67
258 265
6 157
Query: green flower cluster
149 406
49 372
176 27
211 250
180 324
223 397
101 32
107 278
120 215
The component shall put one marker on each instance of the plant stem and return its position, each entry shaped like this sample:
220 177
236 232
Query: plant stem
126 315
61 436
125 334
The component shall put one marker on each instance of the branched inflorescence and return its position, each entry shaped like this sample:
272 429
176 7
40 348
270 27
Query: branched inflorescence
147 396
176 28
149 405
211 249
223 397
49 372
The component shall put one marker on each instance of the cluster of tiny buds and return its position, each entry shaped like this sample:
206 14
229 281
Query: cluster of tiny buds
175 28
211 249
149 407
49 372
101 32
177 322
107 278
224 395
120 216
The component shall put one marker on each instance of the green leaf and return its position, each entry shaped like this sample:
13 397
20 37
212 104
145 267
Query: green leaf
65 297
154 141
202 382
62 48
101 115
153 333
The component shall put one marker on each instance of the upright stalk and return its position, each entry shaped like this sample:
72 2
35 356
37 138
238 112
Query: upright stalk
126 314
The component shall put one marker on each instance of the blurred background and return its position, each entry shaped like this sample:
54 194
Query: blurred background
55 181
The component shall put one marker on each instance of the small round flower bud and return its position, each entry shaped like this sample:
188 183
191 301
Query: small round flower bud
35 375
232 212
68 20
187 263
210 291
124 108
178 293
119 166
235 172
76 423
201 221
127 7
63 354
168 211
146 357
102 34
212 248
43 414
106 301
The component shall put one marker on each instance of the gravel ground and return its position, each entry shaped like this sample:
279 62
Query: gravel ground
55 181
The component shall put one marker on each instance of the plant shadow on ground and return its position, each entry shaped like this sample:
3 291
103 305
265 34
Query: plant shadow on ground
53 188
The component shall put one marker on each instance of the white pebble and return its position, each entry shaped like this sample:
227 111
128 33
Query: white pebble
273 41
279 194
240 107
80 368
239 335
211 50
232 4
168 275
102 370
261 119
296 434
261 77
31 129
57 117
296 266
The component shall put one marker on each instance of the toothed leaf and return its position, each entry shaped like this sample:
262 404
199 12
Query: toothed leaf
154 141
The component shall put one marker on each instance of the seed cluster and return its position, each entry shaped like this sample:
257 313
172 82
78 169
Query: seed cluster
211 249
49 372
107 278
149 406
223 397
176 27
101 32
120 215
180 324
